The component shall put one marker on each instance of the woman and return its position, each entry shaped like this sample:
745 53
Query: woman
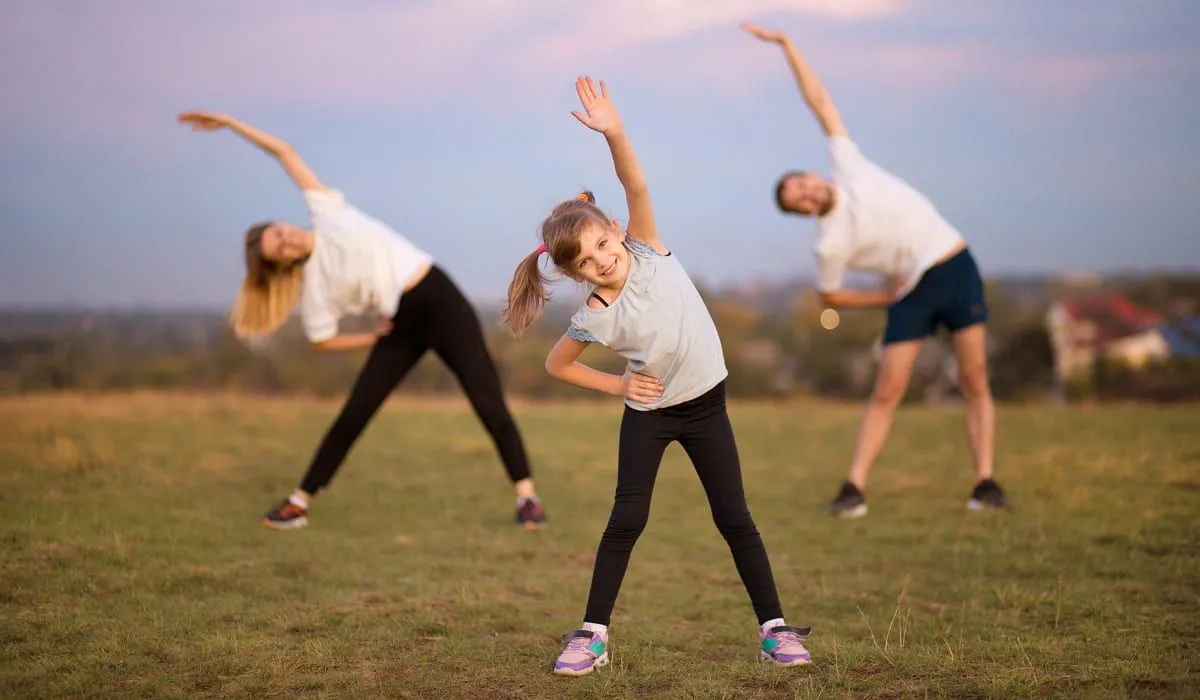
348 263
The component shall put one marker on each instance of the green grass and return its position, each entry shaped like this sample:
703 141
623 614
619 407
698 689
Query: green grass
133 563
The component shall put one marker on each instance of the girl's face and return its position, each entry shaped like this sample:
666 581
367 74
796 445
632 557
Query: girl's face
284 243
602 260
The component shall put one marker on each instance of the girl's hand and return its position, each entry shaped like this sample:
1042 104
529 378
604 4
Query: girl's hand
204 121
640 387
765 34
601 114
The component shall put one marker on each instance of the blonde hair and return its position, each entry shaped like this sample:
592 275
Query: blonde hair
269 291
527 293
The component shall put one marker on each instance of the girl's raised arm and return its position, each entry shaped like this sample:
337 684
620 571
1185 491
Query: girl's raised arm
600 114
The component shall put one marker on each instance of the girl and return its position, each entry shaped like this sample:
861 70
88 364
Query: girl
643 306
349 263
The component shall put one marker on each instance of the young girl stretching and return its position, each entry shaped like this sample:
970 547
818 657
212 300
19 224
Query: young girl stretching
643 306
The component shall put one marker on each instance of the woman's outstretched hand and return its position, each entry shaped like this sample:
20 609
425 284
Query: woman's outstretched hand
599 111
765 34
204 121
291 161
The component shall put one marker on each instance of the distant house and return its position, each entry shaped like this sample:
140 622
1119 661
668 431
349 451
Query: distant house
1105 326
1181 336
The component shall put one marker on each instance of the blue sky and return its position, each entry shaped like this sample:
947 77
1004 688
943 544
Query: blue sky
1058 136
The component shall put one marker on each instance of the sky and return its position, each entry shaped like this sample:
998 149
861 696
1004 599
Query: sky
1057 136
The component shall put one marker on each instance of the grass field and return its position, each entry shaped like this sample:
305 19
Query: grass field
134 564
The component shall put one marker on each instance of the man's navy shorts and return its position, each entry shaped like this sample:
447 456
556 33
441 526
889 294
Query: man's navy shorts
948 294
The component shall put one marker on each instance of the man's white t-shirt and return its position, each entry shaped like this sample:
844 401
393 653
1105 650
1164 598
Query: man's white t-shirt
879 223
357 264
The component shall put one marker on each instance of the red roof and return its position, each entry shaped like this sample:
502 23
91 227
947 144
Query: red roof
1114 316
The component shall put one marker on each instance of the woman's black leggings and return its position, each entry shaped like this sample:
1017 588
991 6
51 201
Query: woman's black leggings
702 427
433 315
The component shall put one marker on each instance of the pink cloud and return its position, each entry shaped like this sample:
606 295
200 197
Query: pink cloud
275 51
915 67
110 67
622 22
1068 79
1062 80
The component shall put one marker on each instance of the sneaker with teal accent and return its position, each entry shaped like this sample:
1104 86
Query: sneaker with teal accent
784 645
585 651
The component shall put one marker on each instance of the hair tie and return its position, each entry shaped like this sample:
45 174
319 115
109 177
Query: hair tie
540 249
582 196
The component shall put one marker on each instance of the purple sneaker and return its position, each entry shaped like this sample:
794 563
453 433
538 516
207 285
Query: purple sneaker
784 645
530 514
585 651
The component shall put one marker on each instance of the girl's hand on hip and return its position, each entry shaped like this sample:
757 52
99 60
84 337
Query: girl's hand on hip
641 387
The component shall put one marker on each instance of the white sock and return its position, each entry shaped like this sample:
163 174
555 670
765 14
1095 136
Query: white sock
769 624
522 499
298 498
593 627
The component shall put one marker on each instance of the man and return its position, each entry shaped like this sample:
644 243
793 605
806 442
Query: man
871 220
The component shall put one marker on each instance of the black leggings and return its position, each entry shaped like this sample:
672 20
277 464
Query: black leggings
433 315
702 427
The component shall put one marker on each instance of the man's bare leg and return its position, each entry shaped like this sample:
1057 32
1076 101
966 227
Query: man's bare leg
895 371
979 413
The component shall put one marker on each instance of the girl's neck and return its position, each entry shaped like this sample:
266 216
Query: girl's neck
610 293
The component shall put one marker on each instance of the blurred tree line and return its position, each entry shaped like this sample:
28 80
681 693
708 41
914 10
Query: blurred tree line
786 346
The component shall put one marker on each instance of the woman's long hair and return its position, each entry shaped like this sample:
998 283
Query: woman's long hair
269 292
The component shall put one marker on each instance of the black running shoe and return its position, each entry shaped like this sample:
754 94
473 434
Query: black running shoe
987 494
286 516
850 503
530 514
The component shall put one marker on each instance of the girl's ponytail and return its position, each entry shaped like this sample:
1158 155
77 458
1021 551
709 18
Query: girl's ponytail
527 294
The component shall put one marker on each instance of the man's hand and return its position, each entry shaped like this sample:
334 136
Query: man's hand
811 88
204 121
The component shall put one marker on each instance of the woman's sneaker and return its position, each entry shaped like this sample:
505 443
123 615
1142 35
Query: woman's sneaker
584 652
530 514
784 645
286 516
